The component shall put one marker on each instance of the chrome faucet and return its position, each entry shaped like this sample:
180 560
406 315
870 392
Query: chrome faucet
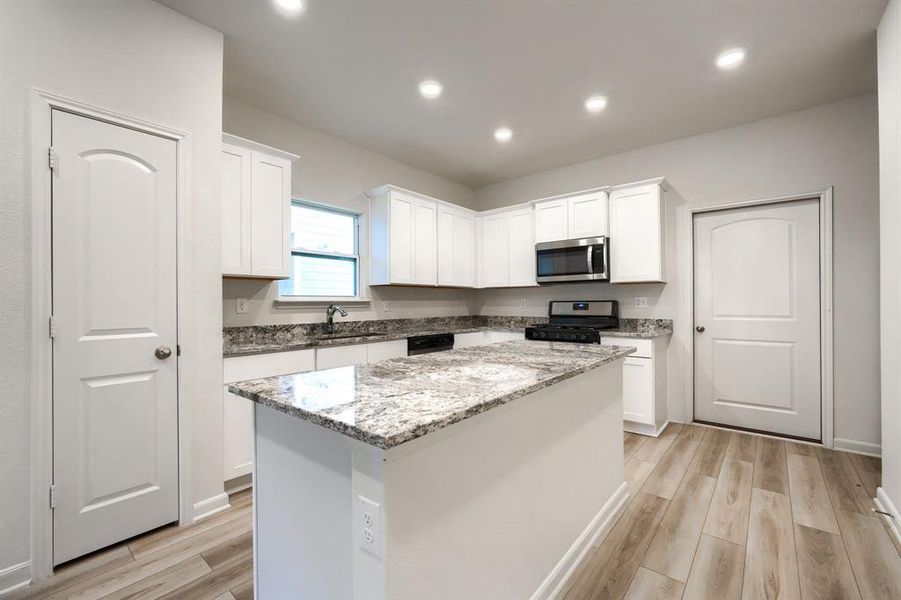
330 316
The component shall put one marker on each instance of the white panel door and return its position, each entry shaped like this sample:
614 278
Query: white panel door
522 247
270 223
464 250
236 210
402 268
425 253
588 215
757 318
551 221
115 403
495 250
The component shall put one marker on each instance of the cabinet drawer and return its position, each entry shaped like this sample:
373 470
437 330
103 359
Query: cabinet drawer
645 347
385 350
473 338
341 356
241 368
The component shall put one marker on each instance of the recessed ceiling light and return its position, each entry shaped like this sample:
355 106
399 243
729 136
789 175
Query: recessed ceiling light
731 58
596 104
503 134
290 7
430 89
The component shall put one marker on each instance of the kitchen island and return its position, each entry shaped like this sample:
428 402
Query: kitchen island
484 472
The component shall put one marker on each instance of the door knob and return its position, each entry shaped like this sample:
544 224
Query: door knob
163 352
700 329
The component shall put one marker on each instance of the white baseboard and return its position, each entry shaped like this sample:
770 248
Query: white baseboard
555 583
643 429
857 447
210 506
15 577
885 504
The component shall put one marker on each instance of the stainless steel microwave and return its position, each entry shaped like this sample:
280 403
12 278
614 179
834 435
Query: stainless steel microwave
586 259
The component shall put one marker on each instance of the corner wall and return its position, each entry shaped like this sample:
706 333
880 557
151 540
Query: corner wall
800 152
140 59
889 59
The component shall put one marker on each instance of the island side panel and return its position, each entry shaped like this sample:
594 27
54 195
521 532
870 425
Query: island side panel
303 505
504 504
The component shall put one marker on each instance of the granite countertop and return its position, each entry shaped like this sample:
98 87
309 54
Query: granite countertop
390 402
239 341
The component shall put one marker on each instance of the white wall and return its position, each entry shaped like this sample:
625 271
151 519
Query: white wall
143 60
336 172
889 50
831 145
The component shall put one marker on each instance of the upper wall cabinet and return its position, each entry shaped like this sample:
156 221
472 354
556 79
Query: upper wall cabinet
637 215
456 247
565 218
403 238
506 244
256 205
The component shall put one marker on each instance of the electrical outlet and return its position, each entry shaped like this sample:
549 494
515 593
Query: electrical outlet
241 306
370 513
386 306
641 302
522 302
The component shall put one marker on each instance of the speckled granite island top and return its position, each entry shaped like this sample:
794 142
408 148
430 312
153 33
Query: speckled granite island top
387 403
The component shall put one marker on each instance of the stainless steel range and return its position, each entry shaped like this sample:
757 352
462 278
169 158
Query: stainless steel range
579 321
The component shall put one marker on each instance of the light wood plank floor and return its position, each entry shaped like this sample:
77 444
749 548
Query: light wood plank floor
712 514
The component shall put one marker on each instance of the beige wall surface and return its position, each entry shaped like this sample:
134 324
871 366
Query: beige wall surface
139 59
334 172
889 44
806 151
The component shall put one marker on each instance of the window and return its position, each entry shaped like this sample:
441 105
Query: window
324 253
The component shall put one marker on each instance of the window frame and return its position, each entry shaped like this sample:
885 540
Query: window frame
356 258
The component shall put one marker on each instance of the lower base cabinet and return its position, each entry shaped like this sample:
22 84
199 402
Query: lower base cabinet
644 385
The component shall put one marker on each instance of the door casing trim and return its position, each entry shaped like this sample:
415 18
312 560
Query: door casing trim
40 105
686 313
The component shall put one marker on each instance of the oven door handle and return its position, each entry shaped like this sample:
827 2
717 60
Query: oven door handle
590 260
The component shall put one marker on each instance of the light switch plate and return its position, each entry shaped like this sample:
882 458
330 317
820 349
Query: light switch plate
641 302
241 306
386 306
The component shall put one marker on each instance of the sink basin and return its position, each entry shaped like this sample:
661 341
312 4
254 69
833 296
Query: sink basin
344 336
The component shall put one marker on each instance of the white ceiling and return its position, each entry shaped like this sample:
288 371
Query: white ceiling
351 69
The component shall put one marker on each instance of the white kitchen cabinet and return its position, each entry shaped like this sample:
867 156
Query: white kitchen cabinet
341 356
256 209
637 245
506 248
456 247
576 216
237 453
385 350
469 339
403 238
644 384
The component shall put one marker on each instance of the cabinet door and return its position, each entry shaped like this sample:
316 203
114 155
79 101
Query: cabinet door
464 250
473 338
447 274
341 356
638 390
425 236
271 205
402 235
495 251
236 212
551 221
522 247
588 215
237 452
636 234
385 350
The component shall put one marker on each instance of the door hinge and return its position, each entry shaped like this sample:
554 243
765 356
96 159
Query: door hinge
52 158
52 496
52 327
